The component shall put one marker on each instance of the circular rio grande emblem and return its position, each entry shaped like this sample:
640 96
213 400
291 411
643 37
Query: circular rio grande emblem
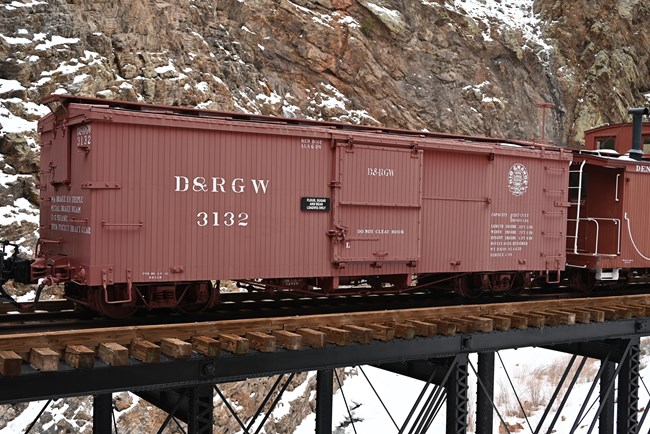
518 179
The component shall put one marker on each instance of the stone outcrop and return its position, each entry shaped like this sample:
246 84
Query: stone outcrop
460 66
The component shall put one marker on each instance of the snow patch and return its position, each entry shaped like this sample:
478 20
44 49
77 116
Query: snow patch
9 86
388 13
167 68
330 99
21 211
80 78
246 29
272 99
65 68
56 40
11 123
16 4
15 41
203 86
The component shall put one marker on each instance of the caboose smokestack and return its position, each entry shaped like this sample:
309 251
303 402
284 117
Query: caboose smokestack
637 123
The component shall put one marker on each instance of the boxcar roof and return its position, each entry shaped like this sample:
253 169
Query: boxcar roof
65 100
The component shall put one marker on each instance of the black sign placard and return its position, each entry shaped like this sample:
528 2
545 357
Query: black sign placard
315 204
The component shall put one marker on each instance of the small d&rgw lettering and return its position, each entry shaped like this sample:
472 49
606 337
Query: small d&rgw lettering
215 184
377 171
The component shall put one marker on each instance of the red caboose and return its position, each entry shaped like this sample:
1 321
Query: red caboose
616 137
608 237
146 205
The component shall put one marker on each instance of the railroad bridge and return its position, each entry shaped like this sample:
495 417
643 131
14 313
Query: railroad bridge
180 366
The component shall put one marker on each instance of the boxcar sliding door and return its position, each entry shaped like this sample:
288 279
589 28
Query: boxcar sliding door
377 204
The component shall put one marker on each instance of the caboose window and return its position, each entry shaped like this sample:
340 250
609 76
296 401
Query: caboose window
606 143
646 143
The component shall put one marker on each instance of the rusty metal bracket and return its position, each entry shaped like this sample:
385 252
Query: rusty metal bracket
96 185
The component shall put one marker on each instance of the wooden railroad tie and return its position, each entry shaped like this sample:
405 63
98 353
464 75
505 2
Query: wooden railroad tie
404 330
445 327
10 363
480 324
500 322
206 345
382 332
44 359
287 339
517 321
595 315
359 334
312 337
534 320
634 311
233 343
610 314
113 354
175 348
79 356
581 317
641 309
424 328
560 317
263 342
145 351
337 336
465 325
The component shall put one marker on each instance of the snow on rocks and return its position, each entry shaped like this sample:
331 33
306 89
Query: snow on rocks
497 15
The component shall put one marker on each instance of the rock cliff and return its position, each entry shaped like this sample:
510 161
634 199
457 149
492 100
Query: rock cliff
464 66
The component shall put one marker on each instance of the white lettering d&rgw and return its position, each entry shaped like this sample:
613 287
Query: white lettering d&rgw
218 184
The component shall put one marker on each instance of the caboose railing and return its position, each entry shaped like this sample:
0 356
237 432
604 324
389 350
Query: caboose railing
616 222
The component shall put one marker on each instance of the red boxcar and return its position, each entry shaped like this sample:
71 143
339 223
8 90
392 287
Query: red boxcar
138 196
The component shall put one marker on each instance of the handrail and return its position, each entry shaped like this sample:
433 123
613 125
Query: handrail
629 230
595 220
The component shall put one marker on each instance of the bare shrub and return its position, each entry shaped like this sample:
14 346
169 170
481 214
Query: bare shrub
535 388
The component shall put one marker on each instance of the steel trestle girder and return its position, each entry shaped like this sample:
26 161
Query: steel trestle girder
485 393
324 391
606 420
621 357
169 374
628 391
103 414
193 405
450 373
457 398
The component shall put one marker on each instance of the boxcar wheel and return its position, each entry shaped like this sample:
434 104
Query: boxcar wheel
583 280
468 286
198 297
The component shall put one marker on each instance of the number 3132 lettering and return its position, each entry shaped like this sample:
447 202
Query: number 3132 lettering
227 219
